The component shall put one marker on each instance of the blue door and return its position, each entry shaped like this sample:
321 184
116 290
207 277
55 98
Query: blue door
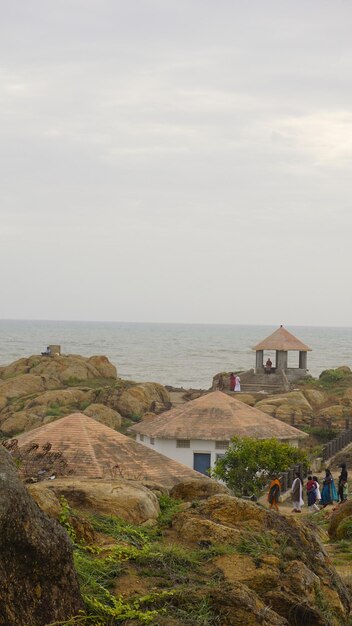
201 462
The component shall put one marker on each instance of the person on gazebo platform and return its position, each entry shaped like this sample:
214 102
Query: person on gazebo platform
268 366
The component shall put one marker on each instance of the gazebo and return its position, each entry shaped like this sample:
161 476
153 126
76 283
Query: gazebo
282 341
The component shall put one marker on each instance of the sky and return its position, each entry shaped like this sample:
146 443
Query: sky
176 161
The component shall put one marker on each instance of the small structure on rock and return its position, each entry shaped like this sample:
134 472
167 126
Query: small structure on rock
278 375
200 431
282 341
92 450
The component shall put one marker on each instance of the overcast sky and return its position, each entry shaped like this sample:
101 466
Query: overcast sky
176 160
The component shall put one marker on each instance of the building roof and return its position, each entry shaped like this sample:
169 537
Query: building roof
93 450
282 340
216 416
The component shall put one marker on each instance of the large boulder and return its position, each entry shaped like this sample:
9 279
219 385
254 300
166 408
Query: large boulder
315 397
26 413
293 399
19 386
38 581
104 414
197 489
336 410
61 368
143 398
127 499
344 511
278 562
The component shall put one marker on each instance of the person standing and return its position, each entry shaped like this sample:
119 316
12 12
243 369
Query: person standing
318 494
274 492
342 484
232 381
237 383
311 488
296 494
328 492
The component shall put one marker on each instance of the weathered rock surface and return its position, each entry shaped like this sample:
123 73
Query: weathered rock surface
37 390
143 398
127 499
104 414
295 399
38 581
62 368
344 511
278 564
189 490
315 397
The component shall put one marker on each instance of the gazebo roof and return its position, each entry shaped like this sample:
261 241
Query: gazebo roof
92 450
216 416
282 340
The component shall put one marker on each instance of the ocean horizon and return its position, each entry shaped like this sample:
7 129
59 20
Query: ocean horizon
179 354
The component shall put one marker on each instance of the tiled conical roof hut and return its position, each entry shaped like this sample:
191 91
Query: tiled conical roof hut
216 416
197 432
282 341
93 450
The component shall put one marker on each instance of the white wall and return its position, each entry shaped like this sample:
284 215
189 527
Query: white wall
182 455
185 455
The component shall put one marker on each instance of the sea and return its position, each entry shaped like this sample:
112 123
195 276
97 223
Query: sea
181 355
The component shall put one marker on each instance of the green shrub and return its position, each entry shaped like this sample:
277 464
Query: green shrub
168 508
121 530
344 529
248 462
331 376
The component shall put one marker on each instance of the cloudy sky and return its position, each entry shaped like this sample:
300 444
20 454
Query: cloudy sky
176 160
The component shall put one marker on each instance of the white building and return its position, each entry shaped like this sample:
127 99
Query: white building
200 431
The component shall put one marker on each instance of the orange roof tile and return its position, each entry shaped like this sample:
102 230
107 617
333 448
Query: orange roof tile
216 416
283 340
93 450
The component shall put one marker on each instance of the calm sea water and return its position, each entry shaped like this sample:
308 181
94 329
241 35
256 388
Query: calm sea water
186 355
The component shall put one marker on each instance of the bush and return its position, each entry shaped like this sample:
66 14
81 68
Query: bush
344 529
248 463
332 376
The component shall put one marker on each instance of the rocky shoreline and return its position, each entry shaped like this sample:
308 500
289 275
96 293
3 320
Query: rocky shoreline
275 569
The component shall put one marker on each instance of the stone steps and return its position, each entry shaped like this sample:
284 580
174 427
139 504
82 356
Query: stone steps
259 385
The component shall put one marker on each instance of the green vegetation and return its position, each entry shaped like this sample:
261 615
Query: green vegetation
248 463
322 435
56 410
172 570
168 508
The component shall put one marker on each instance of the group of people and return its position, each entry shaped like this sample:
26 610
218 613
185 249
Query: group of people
316 499
235 382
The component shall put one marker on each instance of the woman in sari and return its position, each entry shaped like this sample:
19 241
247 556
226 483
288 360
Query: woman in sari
274 492
296 494
328 492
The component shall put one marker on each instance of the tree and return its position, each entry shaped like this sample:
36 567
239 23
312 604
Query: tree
248 463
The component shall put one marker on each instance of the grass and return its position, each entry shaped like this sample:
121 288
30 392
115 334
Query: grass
258 544
168 508
121 531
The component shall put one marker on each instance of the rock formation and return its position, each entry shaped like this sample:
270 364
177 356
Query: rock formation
37 390
280 568
127 499
38 581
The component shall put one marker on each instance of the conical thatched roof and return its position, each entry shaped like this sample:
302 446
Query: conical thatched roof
216 416
93 450
283 340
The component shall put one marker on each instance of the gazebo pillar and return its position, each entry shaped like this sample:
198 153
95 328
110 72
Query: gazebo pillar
259 356
281 359
302 360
